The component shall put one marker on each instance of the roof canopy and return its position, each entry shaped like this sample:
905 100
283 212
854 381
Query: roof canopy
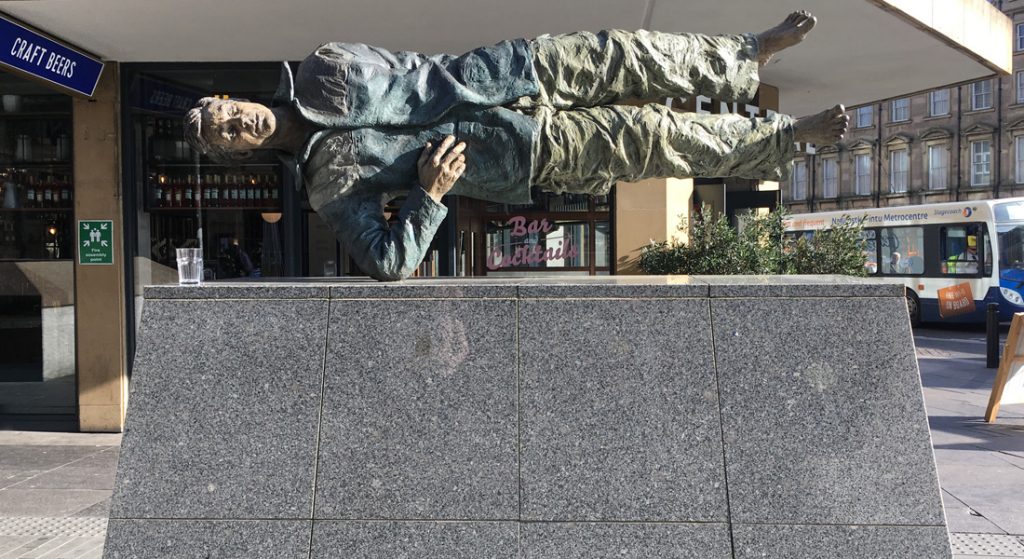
862 50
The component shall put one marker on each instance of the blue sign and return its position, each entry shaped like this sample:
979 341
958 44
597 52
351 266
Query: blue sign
42 57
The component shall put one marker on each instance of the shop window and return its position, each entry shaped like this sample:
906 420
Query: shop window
522 243
902 251
37 252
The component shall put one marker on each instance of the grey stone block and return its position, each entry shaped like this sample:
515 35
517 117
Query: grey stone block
419 418
238 290
222 420
799 286
206 539
415 540
626 540
620 411
822 411
840 542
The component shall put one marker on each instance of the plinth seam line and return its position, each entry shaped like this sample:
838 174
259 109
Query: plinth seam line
319 427
721 430
519 412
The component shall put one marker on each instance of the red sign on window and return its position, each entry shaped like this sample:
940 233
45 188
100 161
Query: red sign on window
956 300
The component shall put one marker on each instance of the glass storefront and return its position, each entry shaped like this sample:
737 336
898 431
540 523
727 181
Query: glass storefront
558 234
243 215
37 248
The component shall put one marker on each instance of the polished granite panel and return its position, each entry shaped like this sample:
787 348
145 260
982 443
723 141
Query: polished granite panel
419 417
620 411
841 542
414 540
207 539
589 540
823 414
222 419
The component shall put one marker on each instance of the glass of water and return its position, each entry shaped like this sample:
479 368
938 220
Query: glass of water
190 266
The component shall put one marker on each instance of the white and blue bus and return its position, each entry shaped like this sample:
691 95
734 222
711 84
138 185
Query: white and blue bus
953 258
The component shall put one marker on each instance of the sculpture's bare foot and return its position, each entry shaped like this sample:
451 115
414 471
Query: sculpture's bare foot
784 35
824 128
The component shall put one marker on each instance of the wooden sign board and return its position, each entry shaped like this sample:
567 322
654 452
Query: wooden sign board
1009 385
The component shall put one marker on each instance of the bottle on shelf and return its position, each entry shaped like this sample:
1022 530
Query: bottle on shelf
214 182
188 185
30 192
158 191
48 200
265 185
179 192
65 192
274 192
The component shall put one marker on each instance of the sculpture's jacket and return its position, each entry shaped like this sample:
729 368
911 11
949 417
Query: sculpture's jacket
376 111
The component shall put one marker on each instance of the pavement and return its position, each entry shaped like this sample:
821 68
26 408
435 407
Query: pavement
55 487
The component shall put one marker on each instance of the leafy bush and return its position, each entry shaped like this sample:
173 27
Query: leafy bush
761 247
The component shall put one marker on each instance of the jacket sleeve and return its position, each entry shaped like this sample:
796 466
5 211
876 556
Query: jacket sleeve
356 85
388 252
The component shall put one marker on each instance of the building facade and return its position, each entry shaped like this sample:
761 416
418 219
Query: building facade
964 141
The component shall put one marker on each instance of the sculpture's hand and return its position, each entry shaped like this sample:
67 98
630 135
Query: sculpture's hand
440 168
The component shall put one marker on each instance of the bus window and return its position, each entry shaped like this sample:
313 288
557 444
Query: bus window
869 237
902 251
959 249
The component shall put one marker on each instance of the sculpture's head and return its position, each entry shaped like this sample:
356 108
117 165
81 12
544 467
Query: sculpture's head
229 129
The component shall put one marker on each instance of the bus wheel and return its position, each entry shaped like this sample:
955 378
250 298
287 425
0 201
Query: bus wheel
914 308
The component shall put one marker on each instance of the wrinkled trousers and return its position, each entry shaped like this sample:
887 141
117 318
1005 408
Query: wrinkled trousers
586 143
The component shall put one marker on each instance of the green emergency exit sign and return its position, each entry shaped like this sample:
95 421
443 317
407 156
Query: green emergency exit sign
96 242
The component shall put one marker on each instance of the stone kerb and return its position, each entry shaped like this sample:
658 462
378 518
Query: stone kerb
592 417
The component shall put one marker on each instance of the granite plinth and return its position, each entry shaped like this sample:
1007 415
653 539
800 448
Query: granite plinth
609 417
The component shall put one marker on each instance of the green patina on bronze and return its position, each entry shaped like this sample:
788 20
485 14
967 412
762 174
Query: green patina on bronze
550 121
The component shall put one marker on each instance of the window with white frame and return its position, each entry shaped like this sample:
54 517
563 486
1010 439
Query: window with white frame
900 110
981 95
938 102
938 167
1018 148
829 177
862 180
899 169
865 116
1020 36
1020 87
799 180
981 162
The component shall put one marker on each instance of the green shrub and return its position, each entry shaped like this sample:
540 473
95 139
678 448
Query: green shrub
760 248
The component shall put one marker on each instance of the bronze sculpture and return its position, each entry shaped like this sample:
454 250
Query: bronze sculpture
362 125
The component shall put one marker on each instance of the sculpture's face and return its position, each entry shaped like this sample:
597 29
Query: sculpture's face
238 125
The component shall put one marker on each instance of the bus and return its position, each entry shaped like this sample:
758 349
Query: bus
953 258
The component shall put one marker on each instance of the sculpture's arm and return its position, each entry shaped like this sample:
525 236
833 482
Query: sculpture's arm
392 252
389 252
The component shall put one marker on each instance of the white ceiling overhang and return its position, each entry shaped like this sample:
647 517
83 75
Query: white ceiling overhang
859 52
